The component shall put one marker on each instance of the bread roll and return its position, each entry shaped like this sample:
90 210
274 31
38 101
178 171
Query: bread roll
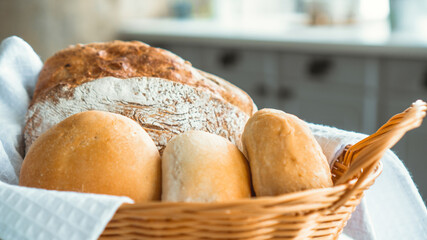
283 154
95 152
162 87
202 167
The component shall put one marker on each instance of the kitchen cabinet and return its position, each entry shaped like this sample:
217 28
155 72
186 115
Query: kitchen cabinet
256 72
324 89
253 71
405 81
191 53
405 76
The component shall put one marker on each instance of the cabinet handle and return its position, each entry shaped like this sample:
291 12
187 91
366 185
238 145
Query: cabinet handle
229 58
284 93
317 68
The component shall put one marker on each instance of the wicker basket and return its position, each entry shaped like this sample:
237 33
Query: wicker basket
311 214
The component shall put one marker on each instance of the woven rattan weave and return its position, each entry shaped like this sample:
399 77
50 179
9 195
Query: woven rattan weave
312 214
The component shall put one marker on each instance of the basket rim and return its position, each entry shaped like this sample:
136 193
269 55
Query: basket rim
287 197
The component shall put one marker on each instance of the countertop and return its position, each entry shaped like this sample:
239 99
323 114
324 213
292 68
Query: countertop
373 39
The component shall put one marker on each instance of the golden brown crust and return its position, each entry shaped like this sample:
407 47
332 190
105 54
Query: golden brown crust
283 154
95 152
83 63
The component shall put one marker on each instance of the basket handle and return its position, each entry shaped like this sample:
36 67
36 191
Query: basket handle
364 156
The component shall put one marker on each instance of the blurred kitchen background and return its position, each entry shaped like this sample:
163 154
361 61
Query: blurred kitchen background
351 64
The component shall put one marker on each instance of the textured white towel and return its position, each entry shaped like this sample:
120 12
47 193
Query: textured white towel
36 214
391 209
394 205
19 68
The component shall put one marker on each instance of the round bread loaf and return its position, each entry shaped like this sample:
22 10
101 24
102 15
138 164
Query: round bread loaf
202 167
283 154
83 63
75 71
163 108
95 152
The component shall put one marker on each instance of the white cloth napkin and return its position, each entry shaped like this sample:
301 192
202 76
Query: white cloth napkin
391 209
28 213
333 141
19 68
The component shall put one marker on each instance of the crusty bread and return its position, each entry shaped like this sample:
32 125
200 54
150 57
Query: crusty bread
202 167
83 63
95 152
162 107
172 98
283 154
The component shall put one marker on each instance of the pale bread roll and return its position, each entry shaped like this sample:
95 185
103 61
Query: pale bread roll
95 152
283 154
202 167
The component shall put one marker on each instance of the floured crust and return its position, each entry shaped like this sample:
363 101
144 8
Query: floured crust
84 63
163 108
202 167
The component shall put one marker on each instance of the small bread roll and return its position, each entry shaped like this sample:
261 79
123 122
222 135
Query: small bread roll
283 154
202 167
95 152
